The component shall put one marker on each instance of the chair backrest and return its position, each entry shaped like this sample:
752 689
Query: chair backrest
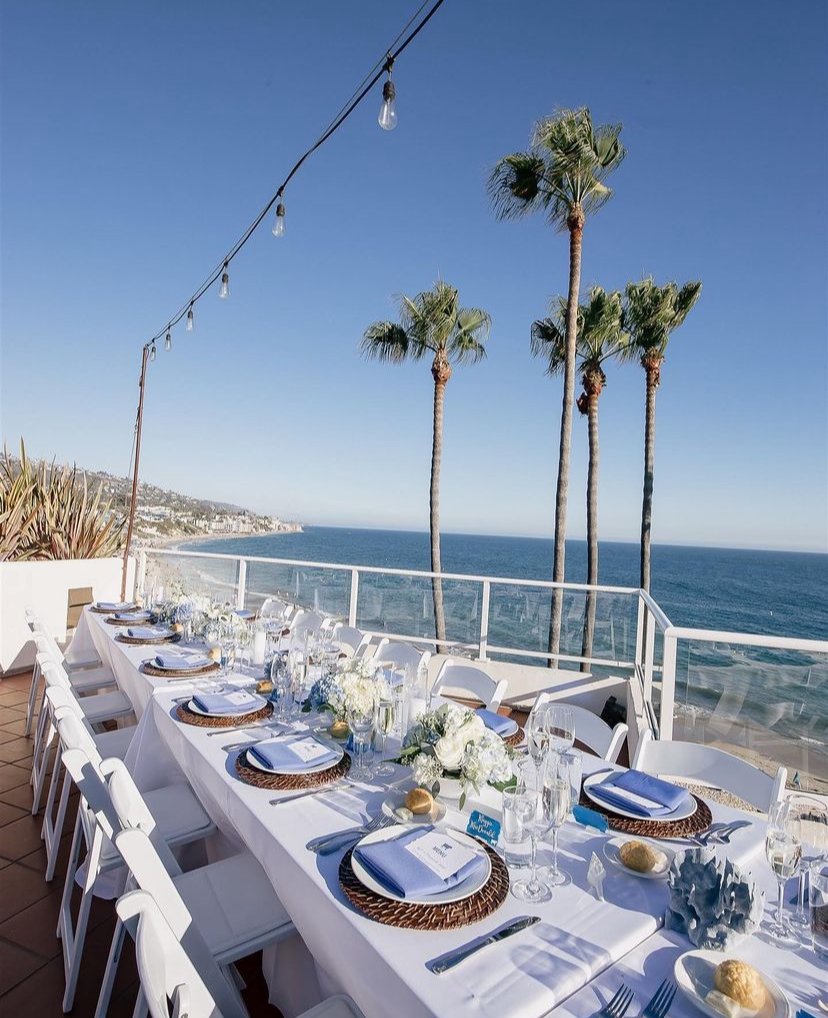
47 644
347 636
590 730
470 679
692 760
134 814
72 731
400 655
95 801
76 601
273 608
303 622
177 981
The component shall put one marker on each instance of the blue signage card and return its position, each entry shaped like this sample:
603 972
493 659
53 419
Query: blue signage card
482 826
590 817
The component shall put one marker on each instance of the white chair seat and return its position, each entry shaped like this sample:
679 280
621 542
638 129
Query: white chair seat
233 903
115 743
91 679
177 813
105 706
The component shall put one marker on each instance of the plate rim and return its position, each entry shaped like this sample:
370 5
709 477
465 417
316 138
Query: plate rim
707 954
593 779
384 834
616 859
288 773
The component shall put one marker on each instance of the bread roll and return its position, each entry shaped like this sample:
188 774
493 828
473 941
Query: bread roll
419 801
638 856
214 653
741 982
339 730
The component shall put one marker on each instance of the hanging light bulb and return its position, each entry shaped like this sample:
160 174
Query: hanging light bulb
224 290
190 319
152 351
168 341
387 118
279 221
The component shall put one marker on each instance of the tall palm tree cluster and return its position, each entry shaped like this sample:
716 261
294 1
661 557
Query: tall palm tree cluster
562 175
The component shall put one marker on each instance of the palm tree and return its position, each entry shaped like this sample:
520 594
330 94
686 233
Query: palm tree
600 337
432 323
651 314
562 174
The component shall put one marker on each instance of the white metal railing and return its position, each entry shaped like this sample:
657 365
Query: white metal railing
642 668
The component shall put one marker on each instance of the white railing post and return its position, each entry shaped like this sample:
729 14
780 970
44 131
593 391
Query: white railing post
352 604
668 687
484 621
140 573
639 632
649 652
242 584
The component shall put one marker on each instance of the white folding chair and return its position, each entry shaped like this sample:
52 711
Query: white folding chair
305 622
401 655
590 730
181 820
709 765
180 979
348 637
230 902
470 679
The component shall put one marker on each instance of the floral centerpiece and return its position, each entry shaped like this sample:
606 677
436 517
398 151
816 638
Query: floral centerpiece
452 745
356 686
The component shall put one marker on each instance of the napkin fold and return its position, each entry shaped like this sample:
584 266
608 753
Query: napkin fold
299 753
139 616
639 793
497 723
147 632
239 702
114 606
172 659
404 874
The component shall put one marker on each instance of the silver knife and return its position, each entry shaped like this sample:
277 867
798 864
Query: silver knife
453 958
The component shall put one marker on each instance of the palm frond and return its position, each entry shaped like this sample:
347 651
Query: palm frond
387 341
548 343
652 313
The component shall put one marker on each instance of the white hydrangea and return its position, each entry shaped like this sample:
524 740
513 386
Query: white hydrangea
361 688
426 769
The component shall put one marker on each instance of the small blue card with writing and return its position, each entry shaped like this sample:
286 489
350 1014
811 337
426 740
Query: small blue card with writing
482 826
590 817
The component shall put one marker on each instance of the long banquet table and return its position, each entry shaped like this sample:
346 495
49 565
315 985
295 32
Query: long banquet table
579 943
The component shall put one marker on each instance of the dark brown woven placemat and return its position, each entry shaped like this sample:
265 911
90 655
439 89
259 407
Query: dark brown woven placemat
111 611
136 640
516 739
289 782
450 916
190 717
148 668
149 620
699 821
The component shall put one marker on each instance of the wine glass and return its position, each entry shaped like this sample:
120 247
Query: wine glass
361 724
383 725
280 679
813 831
559 722
537 823
557 799
537 735
783 849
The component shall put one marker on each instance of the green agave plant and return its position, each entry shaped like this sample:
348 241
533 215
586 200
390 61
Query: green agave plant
47 512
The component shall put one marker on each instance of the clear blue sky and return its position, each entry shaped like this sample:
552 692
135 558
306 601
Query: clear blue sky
138 139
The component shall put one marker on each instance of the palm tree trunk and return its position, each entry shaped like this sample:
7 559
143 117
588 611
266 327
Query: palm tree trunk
576 227
652 367
434 507
592 528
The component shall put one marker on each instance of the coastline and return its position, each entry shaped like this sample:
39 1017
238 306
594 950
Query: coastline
173 543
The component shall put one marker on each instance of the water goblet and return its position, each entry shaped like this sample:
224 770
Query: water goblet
537 735
361 724
813 830
518 810
783 850
280 680
383 725
557 800
532 888
559 722
571 766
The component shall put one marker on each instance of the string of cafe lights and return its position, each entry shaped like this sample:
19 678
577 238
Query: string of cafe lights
387 120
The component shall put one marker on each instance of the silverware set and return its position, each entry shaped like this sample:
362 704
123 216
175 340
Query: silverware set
320 790
329 843
657 1007
718 834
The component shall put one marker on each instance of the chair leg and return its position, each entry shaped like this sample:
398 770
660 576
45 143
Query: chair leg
111 970
54 831
40 730
74 943
65 914
30 707
140 1010
41 765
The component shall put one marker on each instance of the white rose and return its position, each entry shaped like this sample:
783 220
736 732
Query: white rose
449 751
474 728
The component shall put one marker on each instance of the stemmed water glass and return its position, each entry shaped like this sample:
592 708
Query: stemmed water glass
280 679
361 724
812 816
383 725
783 849
538 823
559 722
537 735
557 800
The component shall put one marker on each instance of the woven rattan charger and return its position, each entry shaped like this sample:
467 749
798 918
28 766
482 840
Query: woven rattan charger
449 916
137 640
191 717
148 668
110 611
150 619
290 782
699 821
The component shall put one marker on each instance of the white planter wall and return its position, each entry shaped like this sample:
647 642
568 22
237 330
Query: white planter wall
45 587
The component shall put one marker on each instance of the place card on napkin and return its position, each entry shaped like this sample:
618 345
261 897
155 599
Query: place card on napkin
442 854
497 723
172 659
639 793
298 753
138 616
114 606
148 632
219 703
411 870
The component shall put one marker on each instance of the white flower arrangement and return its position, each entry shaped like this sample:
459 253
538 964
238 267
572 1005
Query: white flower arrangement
453 742
356 686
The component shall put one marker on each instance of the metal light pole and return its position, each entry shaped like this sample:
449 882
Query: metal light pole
134 498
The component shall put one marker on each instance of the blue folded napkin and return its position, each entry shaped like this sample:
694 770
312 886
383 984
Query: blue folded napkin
114 606
497 723
139 616
402 873
239 701
300 753
147 632
639 793
245 613
173 659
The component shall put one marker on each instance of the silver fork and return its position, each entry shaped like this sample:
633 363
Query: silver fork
619 1004
662 1000
330 843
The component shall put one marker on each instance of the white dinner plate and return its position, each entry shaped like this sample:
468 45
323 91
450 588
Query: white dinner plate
465 889
510 731
234 712
694 976
396 801
300 768
612 849
685 809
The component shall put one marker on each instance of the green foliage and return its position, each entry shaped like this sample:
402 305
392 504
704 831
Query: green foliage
600 332
564 169
47 512
652 312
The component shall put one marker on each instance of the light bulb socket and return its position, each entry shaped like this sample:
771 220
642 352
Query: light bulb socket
280 210
168 340
389 91
152 352
190 319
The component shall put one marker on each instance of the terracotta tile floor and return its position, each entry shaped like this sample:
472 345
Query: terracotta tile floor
31 966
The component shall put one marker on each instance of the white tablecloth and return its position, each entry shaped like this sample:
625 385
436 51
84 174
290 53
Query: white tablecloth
384 968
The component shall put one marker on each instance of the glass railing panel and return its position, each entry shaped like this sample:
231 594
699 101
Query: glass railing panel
763 704
323 590
191 574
